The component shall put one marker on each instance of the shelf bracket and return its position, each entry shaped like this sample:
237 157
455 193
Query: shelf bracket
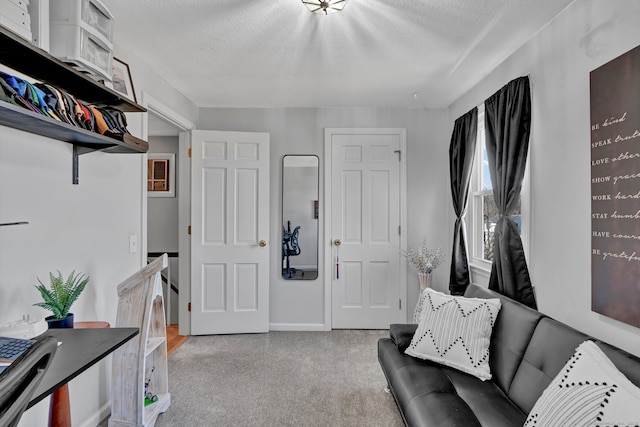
77 151
5 224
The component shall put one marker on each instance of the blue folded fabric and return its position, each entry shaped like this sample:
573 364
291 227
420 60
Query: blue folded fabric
34 96
18 85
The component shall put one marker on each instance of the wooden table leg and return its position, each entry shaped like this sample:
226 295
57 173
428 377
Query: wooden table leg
59 407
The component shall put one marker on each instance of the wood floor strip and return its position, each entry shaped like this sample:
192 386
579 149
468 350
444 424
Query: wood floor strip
174 340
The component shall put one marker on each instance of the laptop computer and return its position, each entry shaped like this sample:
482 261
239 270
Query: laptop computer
11 348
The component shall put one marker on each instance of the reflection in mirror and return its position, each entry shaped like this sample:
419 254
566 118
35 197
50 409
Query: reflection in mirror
300 217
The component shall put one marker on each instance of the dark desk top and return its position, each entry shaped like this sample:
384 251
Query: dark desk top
80 349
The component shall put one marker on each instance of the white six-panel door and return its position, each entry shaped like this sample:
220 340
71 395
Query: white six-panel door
367 285
229 232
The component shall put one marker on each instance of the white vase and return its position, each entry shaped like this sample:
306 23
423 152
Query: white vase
425 282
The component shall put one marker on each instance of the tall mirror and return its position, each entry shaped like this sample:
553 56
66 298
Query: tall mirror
300 217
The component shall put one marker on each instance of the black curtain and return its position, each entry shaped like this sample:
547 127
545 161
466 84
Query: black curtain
461 151
507 129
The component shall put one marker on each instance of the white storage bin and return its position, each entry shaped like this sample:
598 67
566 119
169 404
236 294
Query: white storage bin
22 4
91 14
14 16
81 33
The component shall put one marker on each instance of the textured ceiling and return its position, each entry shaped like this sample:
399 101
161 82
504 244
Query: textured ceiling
376 53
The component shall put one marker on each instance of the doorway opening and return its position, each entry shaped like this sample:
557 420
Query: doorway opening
162 201
162 207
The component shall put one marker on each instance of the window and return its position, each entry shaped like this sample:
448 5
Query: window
482 211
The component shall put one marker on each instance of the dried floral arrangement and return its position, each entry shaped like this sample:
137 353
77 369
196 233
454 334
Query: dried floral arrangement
424 258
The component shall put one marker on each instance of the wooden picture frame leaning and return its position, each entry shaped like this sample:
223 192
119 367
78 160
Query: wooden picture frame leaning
122 81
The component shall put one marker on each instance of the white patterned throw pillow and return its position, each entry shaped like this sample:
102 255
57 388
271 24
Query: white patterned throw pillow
455 331
588 391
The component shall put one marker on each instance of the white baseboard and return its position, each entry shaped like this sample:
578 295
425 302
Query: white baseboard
99 416
296 327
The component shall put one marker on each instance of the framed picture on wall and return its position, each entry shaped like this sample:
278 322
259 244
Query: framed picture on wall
161 181
121 79
615 188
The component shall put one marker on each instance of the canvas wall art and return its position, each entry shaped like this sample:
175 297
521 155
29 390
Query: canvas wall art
615 188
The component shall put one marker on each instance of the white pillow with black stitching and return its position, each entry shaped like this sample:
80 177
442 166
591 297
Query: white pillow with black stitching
455 331
588 391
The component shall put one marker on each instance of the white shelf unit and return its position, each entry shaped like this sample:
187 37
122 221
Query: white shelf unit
141 305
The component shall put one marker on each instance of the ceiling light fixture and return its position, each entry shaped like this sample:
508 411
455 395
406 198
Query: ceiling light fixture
324 7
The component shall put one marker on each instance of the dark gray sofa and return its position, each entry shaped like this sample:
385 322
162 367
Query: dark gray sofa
527 350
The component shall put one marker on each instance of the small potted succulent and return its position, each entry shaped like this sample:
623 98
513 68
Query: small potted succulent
59 297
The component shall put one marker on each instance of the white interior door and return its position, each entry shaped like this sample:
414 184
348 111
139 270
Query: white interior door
229 232
367 175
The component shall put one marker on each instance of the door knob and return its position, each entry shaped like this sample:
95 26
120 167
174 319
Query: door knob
262 243
337 242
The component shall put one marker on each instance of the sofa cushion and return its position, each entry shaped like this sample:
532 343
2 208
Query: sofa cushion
409 376
439 409
412 380
551 345
455 331
487 401
510 337
422 390
429 394
589 390
402 334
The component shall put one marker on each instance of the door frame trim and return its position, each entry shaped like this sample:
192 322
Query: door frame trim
327 238
169 115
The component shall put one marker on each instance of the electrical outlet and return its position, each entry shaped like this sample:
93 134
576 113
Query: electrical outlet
133 243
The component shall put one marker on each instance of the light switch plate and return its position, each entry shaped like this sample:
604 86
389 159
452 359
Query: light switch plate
133 243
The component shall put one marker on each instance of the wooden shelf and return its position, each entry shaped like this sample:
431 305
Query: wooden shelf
84 141
152 344
140 303
161 405
20 118
22 56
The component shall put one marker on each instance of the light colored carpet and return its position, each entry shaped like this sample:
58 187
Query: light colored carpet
279 379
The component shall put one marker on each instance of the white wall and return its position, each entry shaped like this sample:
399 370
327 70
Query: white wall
162 223
300 304
558 59
162 212
85 227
